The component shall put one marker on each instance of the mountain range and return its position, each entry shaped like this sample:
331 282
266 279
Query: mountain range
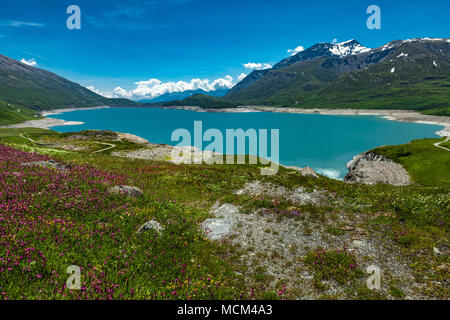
185 94
402 74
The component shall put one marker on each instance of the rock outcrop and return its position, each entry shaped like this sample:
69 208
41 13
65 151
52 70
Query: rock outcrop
308 172
371 168
151 225
297 195
48 164
126 191
220 226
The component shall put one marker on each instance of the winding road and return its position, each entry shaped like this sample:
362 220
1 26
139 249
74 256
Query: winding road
110 145
438 144
33 141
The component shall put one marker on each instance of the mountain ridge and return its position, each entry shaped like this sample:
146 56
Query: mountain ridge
30 90
402 74
184 94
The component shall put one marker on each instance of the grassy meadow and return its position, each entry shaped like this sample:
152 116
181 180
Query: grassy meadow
51 219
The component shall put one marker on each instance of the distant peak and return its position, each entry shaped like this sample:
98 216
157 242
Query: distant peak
427 39
348 47
347 42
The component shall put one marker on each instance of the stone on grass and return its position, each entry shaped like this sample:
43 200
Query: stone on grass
308 172
151 225
359 243
220 226
216 229
348 228
48 164
126 191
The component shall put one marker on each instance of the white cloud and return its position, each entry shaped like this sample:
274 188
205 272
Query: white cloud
257 66
16 23
152 88
334 40
30 62
121 93
241 76
296 50
105 94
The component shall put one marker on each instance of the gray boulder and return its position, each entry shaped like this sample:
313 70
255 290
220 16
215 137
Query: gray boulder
126 191
151 225
217 229
48 164
308 172
220 226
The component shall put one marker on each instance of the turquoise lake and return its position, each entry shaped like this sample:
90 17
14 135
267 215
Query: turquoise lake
325 143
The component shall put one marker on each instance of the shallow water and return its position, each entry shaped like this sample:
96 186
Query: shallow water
325 143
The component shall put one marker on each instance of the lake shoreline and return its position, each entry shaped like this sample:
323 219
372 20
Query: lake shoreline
393 115
48 123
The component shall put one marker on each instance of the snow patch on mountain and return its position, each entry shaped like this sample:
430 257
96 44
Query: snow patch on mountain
347 48
426 39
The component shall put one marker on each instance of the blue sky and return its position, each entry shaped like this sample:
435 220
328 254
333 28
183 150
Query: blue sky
122 42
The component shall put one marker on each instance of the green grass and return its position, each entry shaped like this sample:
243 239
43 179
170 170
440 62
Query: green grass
446 144
10 113
428 165
445 111
333 230
15 132
338 265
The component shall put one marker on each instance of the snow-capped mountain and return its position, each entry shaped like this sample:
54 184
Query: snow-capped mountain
348 47
320 50
401 72
324 49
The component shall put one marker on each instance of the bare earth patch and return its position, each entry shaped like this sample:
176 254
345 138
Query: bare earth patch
152 152
299 195
272 247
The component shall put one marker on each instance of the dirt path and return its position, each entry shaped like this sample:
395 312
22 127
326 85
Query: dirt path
110 146
33 141
438 144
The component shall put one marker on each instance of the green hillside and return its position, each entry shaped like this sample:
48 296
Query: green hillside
10 113
37 89
204 101
427 165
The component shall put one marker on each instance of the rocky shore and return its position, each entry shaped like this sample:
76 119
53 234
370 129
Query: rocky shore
371 168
